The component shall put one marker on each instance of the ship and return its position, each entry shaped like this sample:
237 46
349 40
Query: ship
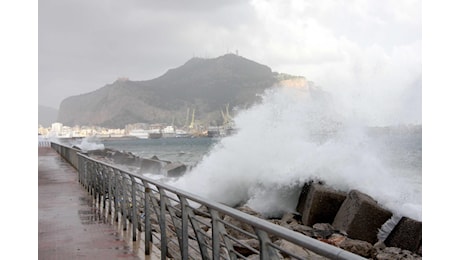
155 134
168 131
182 133
213 131
139 133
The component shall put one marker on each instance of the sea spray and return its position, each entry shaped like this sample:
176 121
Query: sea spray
295 135
88 144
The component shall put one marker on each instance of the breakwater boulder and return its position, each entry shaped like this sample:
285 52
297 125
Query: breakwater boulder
352 221
407 234
140 165
319 203
361 217
153 165
175 169
126 158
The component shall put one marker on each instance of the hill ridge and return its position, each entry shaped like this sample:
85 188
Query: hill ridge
206 85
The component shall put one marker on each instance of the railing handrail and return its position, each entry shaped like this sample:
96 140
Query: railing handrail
296 238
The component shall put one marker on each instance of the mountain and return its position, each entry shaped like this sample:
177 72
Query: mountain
47 115
204 85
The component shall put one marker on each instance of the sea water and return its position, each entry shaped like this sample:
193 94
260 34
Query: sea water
291 137
188 151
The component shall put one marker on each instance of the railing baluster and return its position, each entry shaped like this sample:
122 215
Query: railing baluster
218 230
116 197
184 229
266 251
104 185
124 201
164 238
148 228
110 175
134 208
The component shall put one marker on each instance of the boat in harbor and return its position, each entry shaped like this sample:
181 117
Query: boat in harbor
155 134
182 133
139 133
213 131
168 131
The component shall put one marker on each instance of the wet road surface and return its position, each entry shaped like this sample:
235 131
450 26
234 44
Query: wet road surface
70 226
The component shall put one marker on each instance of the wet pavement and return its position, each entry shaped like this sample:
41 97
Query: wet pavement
70 225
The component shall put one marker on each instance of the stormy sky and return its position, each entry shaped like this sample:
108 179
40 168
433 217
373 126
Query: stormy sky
368 52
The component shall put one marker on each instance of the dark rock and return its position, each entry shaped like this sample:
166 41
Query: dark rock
324 230
151 166
289 218
321 204
391 253
360 217
175 169
99 152
297 250
303 196
323 226
306 230
358 247
407 234
125 158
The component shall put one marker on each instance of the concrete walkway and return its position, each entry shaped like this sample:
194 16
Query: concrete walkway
69 224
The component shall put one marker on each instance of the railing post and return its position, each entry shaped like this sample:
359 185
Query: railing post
104 186
116 198
110 177
88 177
134 209
164 239
266 251
218 230
124 202
98 188
184 229
148 228
196 228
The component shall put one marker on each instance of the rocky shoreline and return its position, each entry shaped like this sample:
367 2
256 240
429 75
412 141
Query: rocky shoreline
353 221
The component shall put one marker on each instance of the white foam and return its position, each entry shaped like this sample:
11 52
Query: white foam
89 144
291 138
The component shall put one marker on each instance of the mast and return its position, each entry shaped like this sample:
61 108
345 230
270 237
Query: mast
192 123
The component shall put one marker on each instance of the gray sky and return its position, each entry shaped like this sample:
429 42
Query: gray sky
368 52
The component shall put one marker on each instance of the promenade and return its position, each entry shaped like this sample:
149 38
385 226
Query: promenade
69 225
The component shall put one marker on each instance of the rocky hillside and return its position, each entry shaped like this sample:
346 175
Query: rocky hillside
204 85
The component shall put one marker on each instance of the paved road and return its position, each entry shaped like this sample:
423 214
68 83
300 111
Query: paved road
69 225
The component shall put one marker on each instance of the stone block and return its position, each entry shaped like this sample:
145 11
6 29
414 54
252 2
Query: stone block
360 216
150 166
125 158
321 204
303 197
175 169
407 234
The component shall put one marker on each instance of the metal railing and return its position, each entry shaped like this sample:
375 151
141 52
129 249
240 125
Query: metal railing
44 143
186 226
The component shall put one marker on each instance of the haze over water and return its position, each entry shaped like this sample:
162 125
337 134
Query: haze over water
299 134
